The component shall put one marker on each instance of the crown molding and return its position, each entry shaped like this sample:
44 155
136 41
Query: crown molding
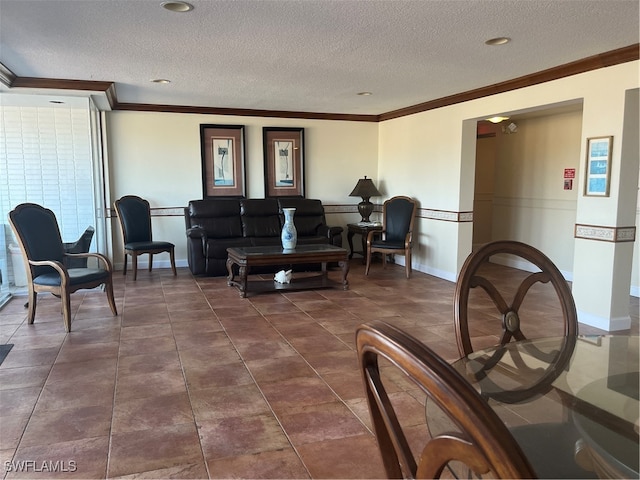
607 59
243 112
7 77
108 88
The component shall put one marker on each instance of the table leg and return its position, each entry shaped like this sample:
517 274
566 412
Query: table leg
243 281
230 271
344 265
350 242
364 247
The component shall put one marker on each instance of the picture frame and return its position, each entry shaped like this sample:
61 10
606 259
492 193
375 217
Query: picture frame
283 162
222 150
598 166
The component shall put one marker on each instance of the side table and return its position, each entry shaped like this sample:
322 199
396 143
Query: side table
362 230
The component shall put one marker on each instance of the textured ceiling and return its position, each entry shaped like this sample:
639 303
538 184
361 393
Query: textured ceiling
305 55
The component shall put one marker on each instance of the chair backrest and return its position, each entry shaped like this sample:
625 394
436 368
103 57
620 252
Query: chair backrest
37 231
398 214
135 218
260 217
476 272
220 218
482 441
83 244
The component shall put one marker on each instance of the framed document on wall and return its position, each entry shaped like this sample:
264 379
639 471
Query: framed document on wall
223 160
283 162
598 168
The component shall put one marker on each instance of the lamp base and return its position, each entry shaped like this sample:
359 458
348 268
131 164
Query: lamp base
365 207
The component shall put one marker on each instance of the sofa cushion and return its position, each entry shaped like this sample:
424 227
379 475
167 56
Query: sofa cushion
217 248
220 219
260 218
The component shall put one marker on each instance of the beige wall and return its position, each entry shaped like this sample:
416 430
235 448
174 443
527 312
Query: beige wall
484 190
157 156
431 156
530 203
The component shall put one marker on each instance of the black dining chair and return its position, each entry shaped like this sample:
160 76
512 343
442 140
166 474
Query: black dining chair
479 440
38 235
396 236
134 214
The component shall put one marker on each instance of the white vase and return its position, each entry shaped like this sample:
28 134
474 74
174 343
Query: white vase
289 235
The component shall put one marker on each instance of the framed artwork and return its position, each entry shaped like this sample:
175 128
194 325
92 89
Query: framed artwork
598 169
283 162
223 160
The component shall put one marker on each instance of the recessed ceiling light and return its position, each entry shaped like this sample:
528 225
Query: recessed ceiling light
365 94
57 102
497 119
179 7
161 80
497 41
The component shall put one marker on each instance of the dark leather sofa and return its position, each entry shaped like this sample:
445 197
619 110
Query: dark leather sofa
213 225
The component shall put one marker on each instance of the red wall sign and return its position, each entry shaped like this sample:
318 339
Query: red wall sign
569 173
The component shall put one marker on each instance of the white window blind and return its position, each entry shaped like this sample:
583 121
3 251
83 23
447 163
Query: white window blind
46 158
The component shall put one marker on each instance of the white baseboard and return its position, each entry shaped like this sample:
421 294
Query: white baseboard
610 325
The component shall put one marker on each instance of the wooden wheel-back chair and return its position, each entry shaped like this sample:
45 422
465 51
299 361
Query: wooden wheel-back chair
470 278
396 236
557 447
38 234
483 442
134 214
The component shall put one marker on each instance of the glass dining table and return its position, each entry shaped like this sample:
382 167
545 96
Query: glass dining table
588 383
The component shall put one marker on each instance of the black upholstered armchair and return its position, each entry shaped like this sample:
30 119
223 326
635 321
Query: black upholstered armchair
135 221
37 232
396 236
81 245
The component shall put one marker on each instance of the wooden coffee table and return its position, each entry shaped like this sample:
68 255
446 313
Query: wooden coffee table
247 257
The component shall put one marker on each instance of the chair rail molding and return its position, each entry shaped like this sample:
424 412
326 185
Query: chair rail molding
605 234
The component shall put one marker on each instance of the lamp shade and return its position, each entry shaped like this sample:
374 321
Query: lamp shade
365 189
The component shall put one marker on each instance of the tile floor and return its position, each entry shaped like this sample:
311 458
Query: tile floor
192 381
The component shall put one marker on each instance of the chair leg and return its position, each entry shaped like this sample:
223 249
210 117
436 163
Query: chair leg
172 257
366 269
66 310
150 261
134 261
407 264
31 313
384 260
124 270
108 286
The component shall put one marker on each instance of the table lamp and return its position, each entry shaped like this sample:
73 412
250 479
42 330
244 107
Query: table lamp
365 189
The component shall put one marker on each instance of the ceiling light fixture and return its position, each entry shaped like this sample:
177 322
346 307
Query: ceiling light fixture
161 80
365 94
497 119
179 7
497 41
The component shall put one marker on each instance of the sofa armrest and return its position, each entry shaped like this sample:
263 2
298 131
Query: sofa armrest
197 232
334 234
196 248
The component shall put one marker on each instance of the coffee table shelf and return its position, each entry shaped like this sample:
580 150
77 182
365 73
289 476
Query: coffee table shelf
247 257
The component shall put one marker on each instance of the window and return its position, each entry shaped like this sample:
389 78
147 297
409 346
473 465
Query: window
46 157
